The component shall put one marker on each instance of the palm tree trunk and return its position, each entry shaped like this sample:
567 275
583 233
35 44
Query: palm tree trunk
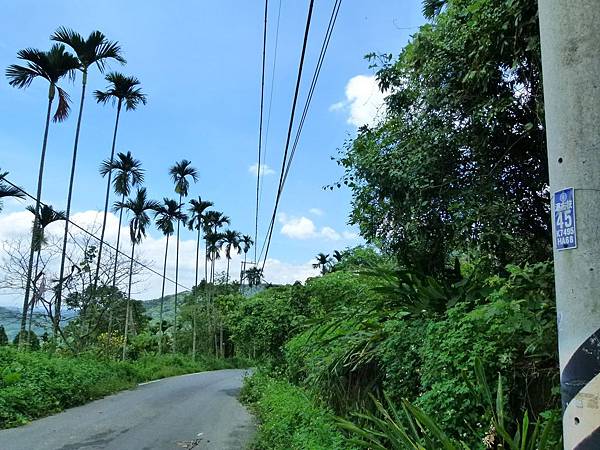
206 260
107 198
243 272
176 282
38 196
197 254
118 240
35 272
227 277
69 197
162 299
128 302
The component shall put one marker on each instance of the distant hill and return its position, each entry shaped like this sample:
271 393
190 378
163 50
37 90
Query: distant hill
10 318
153 306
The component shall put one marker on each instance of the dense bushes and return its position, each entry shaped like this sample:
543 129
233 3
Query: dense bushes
35 384
357 336
291 418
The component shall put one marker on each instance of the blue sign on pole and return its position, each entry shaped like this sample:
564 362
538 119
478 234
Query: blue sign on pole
565 226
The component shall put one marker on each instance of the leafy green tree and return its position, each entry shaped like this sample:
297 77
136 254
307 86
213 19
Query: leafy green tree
128 174
3 336
29 337
181 173
196 211
51 66
166 214
139 206
459 163
121 89
98 50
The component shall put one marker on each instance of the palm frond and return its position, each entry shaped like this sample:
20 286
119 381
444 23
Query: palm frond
62 108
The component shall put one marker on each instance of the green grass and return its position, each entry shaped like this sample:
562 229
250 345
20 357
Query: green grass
36 384
290 419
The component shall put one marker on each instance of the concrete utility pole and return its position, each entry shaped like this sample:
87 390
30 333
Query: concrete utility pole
570 32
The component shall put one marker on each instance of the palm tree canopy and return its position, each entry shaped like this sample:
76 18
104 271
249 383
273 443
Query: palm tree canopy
123 89
247 242
231 239
129 172
139 206
254 275
338 255
7 190
46 216
322 260
166 214
214 219
196 209
96 49
180 172
213 244
52 66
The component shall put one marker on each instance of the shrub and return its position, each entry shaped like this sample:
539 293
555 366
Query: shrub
35 384
290 418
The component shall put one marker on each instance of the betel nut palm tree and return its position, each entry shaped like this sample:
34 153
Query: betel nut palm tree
46 216
246 242
231 240
181 173
95 50
323 262
121 90
166 214
50 65
128 173
196 210
138 206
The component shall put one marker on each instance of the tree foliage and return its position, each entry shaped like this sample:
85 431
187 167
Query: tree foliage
459 162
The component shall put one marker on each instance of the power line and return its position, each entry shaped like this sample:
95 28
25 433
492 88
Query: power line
260 127
97 238
272 89
288 163
291 125
324 47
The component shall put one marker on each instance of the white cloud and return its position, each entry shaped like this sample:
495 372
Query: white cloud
151 251
298 227
316 211
349 235
330 233
303 228
264 170
280 272
365 103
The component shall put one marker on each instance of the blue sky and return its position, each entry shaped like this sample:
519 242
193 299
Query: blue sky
199 63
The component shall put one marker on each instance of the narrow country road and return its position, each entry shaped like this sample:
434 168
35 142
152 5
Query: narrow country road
197 411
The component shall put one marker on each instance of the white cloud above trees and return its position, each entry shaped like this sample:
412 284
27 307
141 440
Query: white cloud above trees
364 103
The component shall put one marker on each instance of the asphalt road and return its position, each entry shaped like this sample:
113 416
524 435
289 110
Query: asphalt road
198 411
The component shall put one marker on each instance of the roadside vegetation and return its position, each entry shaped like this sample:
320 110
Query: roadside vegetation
36 384
439 332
